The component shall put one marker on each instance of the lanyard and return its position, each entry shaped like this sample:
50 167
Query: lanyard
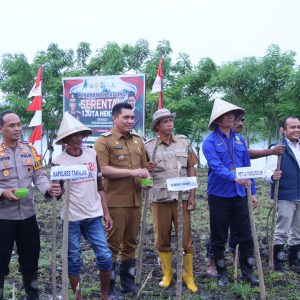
228 149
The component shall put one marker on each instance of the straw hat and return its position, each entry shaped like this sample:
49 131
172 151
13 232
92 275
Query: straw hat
68 126
161 114
220 108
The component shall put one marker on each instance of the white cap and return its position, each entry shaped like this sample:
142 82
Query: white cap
220 108
70 125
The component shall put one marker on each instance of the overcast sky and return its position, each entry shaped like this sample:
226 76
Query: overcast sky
224 30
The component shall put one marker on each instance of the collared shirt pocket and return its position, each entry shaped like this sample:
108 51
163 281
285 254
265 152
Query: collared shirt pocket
183 158
221 150
6 170
159 189
240 146
120 158
240 150
160 166
28 164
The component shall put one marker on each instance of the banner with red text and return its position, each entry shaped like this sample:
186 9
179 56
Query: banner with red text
90 100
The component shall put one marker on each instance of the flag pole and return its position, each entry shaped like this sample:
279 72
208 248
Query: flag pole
160 74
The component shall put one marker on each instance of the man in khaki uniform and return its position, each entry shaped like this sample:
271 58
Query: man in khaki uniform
19 168
174 157
123 162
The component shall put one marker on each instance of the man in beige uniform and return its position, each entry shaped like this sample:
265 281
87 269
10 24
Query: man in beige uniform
174 157
19 168
123 162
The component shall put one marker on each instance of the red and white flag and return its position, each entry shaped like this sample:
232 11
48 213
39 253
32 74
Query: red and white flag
36 139
36 105
157 85
37 87
37 119
36 135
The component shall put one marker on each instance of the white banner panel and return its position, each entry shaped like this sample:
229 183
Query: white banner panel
178 184
249 172
68 172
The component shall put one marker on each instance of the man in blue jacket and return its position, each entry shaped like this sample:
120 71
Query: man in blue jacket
288 220
225 151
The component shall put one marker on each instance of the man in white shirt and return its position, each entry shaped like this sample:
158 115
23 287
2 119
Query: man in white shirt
288 221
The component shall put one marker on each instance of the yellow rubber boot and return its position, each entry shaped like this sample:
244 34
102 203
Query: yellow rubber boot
166 267
187 274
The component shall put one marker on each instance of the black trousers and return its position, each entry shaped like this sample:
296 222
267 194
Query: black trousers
27 237
232 242
225 212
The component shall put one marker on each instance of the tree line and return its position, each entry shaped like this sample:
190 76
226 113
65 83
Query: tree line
267 87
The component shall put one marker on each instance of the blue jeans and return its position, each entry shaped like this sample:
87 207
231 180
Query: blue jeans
92 231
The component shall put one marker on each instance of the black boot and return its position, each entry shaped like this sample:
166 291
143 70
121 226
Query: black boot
127 276
112 293
30 283
279 258
222 272
246 264
1 287
294 257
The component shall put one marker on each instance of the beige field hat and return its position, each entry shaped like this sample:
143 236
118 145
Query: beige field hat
220 108
161 114
68 126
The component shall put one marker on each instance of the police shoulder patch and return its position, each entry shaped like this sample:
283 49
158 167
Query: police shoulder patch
108 133
38 164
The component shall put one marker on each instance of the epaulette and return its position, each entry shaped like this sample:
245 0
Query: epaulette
108 133
150 140
3 147
27 143
133 132
181 136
